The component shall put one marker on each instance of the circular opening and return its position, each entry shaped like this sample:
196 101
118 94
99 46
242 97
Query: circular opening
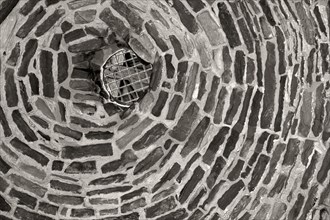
125 77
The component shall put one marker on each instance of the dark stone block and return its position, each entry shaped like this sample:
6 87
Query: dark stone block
196 5
170 70
127 157
213 148
324 49
310 66
118 189
66 187
241 205
292 151
4 205
4 123
258 171
325 167
24 96
14 55
34 84
259 64
133 194
296 209
49 22
218 166
161 207
213 193
173 107
25 149
280 39
250 70
52 2
310 202
267 11
131 16
187 19
44 124
245 108
57 165
309 172
117 178
210 101
157 109
170 174
152 30
87 167
23 198
181 131
149 160
3 184
150 137
48 208
181 76
63 65
279 185
4 167
87 46
6 7
187 167
220 105
128 207
228 26
73 152
267 30
307 151
24 127
10 88
74 35
196 200
77 135
179 214
156 74
158 16
196 137
65 199
176 46
270 87
168 155
31 22
235 102
318 111
236 171
279 115
230 194
273 162
239 66
246 35
99 135
46 63
82 213
202 84
227 63
28 6
66 26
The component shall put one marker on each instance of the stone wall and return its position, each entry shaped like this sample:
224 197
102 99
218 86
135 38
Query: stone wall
235 125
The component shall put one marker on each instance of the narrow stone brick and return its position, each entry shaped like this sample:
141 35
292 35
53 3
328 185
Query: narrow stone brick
162 98
74 152
77 135
14 55
31 22
196 5
24 96
211 28
32 187
202 84
306 23
28 6
10 88
246 35
292 151
5 126
34 84
67 187
63 65
217 118
279 115
138 203
46 63
318 111
239 66
74 35
133 194
87 46
187 19
236 170
181 131
48 208
117 189
149 160
161 207
210 101
181 76
230 194
108 180
150 137
23 198
3 184
30 49
250 70
240 206
196 200
218 166
235 101
6 7
324 169
56 42
270 87
87 167
23 214
84 17
76 4
258 171
49 22
177 47
228 26
170 70
153 32
4 166
65 199
169 175
99 135
82 213
196 137
232 140
23 126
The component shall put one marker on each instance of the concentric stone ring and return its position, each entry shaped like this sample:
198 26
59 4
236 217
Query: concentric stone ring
235 122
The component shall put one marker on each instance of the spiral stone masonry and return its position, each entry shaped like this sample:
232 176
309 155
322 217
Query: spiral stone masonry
234 122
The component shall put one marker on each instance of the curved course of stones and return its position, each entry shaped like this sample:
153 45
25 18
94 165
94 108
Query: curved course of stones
236 124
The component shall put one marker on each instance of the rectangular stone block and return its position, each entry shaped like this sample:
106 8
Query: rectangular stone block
31 22
28 185
73 152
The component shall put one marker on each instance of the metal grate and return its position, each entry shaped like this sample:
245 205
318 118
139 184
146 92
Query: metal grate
126 77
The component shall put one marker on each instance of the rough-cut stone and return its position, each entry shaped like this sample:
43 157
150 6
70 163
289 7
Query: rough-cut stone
179 214
115 24
307 23
310 171
196 137
292 151
24 127
87 167
181 76
74 35
34 84
246 35
99 135
196 5
170 70
325 167
230 194
31 22
30 49
266 28
134 194
14 55
10 88
150 137
157 109
152 30
48 208
87 46
218 166
181 131
108 180
239 66
62 66
177 47
68 132
4 167
23 214
23 198
170 174
73 152
149 160
305 114
75 4
117 189
187 19
161 207
235 102
174 106
62 186
217 118
82 213
138 203
28 6
213 148
46 63
191 184
127 157
210 101
84 17
228 25
258 171
26 184
49 22
240 206
211 28
65 199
